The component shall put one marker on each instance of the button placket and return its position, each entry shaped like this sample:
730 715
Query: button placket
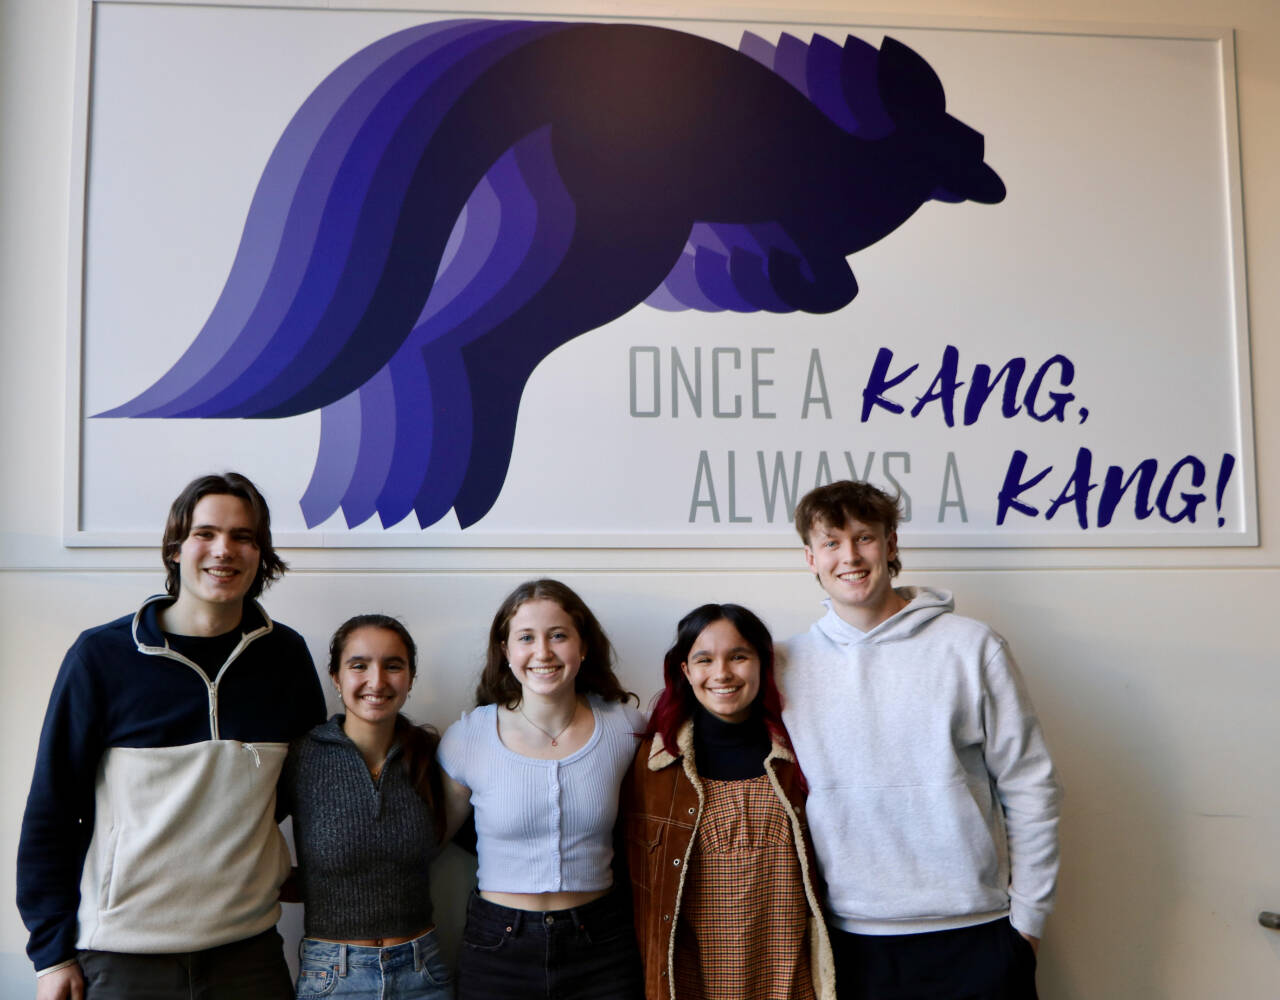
553 797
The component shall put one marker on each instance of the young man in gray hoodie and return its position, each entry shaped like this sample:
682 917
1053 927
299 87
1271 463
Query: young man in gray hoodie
932 799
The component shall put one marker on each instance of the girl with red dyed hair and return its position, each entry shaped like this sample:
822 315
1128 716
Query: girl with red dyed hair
726 895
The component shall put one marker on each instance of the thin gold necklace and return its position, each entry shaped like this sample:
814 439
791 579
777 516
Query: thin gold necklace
556 738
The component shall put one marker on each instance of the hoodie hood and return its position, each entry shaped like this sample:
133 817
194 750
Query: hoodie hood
923 605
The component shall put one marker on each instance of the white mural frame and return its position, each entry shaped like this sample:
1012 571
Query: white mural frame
1229 346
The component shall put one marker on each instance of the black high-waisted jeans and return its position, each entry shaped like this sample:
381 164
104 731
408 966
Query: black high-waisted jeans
585 953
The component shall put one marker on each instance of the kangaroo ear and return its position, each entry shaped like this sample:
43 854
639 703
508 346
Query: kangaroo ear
859 67
909 88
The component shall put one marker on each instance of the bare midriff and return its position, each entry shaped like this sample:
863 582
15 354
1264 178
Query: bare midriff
382 942
541 901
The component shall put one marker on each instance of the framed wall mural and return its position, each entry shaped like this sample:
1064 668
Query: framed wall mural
453 280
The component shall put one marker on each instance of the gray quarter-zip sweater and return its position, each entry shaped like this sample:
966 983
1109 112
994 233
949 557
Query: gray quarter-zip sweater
364 845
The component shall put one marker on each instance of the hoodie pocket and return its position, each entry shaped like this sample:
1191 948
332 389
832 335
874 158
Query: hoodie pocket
913 851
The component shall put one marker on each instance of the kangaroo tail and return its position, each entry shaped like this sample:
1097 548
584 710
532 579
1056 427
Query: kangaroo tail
345 232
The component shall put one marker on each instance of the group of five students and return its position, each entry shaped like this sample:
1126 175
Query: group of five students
869 813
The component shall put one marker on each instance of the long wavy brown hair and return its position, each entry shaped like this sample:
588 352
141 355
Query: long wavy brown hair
498 685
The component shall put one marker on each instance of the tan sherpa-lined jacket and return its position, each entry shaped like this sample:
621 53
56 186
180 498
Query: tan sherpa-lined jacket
662 805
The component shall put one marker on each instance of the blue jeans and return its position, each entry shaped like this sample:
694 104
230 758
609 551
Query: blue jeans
409 971
585 953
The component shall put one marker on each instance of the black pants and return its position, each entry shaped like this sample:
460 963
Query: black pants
252 969
586 953
989 961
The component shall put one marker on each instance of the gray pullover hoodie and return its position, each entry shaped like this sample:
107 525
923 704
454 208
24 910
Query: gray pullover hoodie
932 800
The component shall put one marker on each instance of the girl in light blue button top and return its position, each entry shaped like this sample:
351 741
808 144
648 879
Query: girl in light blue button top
540 760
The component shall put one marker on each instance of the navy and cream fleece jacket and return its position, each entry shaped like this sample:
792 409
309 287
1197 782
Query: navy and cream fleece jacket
150 824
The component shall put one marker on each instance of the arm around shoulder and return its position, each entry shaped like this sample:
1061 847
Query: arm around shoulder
457 805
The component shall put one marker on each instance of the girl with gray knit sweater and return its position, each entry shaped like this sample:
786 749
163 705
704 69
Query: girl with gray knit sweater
368 817
540 760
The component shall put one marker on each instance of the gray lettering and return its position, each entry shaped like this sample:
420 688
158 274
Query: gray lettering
733 492
657 386
815 372
757 382
823 476
694 389
769 486
704 473
952 475
853 469
905 458
715 382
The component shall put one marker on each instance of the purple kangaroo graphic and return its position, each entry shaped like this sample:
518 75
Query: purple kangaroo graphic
457 200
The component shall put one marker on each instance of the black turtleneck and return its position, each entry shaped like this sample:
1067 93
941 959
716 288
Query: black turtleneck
729 751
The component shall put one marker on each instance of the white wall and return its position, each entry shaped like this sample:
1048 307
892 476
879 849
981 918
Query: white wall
1156 678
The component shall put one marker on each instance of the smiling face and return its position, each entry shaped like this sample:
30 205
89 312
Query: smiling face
543 648
374 676
218 560
852 565
724 671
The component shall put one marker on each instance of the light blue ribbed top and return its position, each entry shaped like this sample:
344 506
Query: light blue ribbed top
543 825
